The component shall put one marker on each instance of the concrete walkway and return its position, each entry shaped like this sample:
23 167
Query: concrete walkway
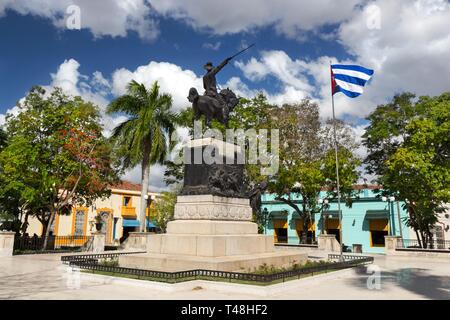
44 277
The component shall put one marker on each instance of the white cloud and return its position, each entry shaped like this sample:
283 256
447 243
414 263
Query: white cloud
278 64
212 46
67 77
12 111
172 79
410 50
289 17
103 18
289 94
156 181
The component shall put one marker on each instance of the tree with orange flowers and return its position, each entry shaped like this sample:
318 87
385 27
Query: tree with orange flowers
56 156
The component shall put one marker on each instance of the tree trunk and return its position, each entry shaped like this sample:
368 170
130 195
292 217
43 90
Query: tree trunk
304 239
424 239
46 228
305 230
144 186
418 238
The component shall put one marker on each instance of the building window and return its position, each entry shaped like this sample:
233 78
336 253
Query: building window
378 238
280 231
80 218
378 230
126 201
106 215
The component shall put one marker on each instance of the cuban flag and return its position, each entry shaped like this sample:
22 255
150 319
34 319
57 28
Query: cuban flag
349 79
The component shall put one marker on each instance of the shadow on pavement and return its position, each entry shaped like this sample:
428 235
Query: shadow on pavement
415 280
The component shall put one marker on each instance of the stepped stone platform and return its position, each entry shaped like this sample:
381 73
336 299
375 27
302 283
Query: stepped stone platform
212 233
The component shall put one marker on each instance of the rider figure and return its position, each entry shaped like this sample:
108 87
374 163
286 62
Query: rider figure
209 80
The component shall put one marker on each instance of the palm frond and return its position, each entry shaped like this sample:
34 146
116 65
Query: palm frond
152 124
127 104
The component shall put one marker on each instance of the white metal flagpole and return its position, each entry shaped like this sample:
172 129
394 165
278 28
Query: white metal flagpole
341 258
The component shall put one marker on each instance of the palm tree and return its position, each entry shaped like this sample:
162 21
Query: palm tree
144 137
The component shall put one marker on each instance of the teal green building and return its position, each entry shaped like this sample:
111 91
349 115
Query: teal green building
366 223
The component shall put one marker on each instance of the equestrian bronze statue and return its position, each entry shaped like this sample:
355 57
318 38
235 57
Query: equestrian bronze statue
212 104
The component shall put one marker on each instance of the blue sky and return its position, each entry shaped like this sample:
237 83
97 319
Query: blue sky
34 48
405 42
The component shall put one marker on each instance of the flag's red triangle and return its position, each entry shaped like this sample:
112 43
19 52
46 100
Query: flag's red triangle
334 86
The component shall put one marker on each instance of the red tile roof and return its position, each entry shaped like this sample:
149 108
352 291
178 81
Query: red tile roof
126 185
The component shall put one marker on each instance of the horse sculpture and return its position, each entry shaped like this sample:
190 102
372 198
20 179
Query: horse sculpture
211 107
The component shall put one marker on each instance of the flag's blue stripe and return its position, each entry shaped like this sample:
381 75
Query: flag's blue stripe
349 79
352 67
350 94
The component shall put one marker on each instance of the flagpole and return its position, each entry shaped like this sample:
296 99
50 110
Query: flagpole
337 168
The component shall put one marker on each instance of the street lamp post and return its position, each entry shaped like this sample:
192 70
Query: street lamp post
325 204
265 214
390 200
149 203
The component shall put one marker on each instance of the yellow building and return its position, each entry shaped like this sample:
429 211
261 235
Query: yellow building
120 213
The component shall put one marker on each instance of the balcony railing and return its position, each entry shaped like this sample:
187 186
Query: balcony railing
129 212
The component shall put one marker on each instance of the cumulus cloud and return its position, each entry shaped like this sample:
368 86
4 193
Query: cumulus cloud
113 18
409 51
172 79
12 111
290 17
278 64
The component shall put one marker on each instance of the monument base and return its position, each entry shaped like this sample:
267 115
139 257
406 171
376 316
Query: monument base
237 263
211 233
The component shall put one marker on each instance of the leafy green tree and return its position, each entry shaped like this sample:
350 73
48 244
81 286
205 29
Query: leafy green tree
307 161
3 138
56 157
144 137
9 208
409 150
165 208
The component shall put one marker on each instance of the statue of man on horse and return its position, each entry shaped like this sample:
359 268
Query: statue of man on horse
214 105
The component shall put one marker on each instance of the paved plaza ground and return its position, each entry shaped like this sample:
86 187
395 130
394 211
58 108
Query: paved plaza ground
44 277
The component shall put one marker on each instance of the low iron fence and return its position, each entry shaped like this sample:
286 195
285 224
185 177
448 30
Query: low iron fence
25 244
416 244
100 263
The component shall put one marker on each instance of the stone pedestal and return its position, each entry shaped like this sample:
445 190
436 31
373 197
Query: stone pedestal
328 242
137 241
6 243
212 233
390 244
98 244
212 228
209 207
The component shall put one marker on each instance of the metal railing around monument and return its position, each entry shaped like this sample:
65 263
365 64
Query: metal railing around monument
101 263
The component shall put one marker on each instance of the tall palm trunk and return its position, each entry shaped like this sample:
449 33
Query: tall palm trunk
144 186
